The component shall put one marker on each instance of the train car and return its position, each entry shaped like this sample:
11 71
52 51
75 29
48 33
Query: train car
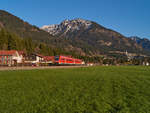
66 60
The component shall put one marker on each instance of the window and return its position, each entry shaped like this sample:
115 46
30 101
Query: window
62 59
2 59
57 58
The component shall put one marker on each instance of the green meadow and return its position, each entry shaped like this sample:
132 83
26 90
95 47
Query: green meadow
77 90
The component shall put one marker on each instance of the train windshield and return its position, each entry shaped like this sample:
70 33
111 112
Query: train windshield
56 58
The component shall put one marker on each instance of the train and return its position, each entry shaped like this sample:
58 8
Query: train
67 60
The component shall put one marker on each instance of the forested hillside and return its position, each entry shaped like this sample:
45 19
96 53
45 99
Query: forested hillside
11 41
22 28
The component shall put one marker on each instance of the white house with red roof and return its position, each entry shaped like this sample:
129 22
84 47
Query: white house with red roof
39 58
10 57
34 59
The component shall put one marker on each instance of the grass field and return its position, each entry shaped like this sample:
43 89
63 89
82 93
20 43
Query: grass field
79 90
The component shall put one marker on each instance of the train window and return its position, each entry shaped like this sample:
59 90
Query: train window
69 60
62 59
56 58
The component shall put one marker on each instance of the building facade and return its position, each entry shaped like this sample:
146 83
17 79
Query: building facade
10 57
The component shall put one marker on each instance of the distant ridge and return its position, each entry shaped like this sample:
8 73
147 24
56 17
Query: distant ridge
144 42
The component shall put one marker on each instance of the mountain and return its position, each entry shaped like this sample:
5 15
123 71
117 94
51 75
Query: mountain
78 36
68 26
92 38
22 28
144 42
20 35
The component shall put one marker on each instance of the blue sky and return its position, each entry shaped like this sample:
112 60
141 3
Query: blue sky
129 17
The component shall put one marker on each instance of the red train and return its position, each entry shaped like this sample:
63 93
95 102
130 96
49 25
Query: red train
67 60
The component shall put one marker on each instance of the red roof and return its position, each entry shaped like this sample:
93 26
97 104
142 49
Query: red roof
8 52
66 56
39 55
48 58
21 52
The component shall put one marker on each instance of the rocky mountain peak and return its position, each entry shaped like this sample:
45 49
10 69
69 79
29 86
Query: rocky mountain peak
67 26
77 21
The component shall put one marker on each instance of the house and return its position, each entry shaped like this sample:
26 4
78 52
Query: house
90 64
10 57
22 56
146 63
34 59
38 58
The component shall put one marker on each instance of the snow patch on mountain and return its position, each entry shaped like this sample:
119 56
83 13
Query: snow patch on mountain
67 26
